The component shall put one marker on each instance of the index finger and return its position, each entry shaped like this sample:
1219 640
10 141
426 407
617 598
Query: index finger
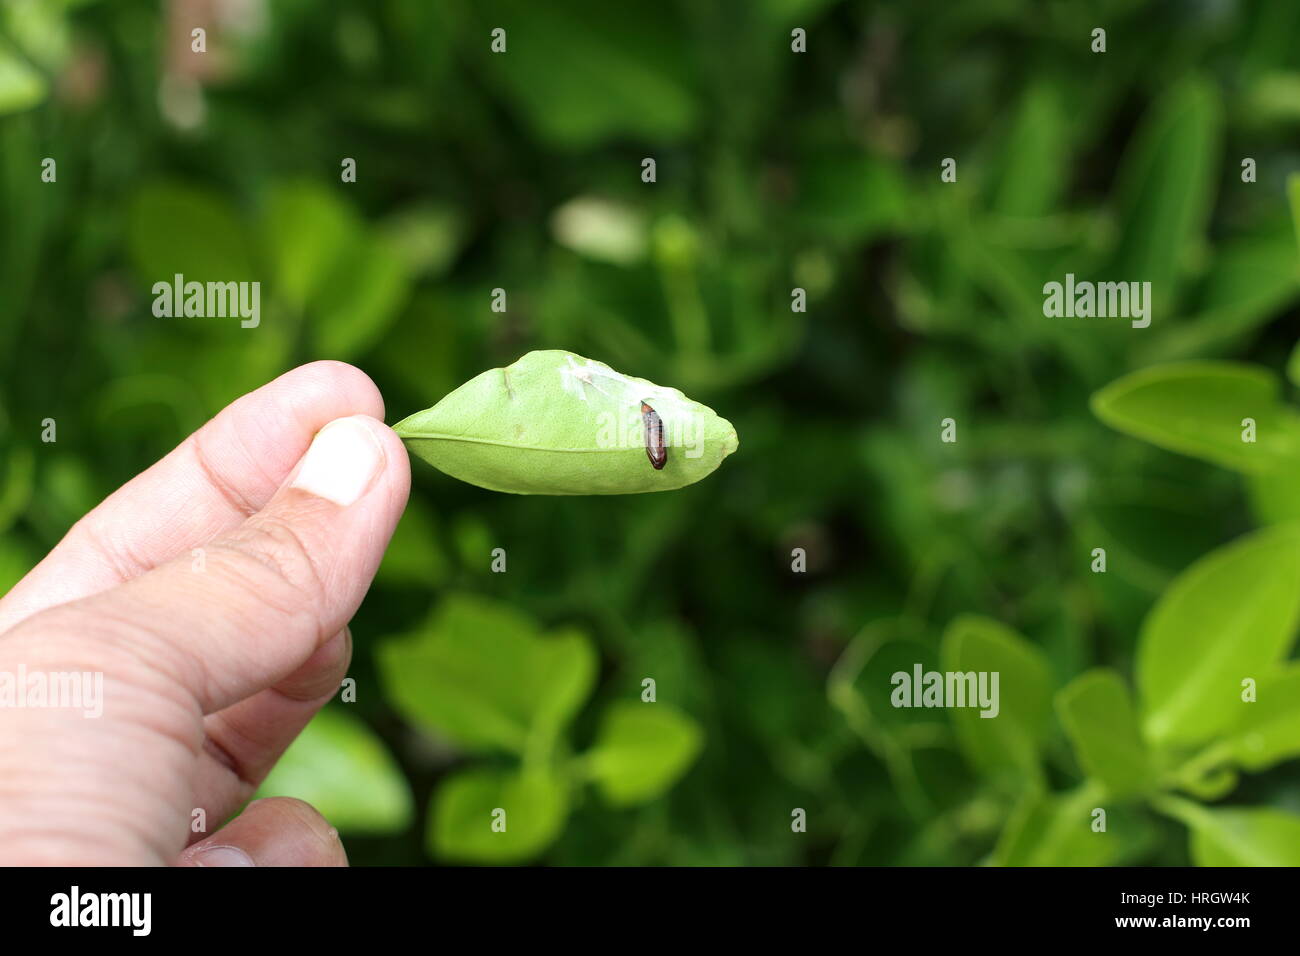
204 488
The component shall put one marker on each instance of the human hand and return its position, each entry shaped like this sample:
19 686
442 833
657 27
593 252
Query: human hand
212 593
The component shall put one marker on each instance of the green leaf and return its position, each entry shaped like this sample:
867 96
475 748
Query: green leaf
1056 830
40 28
178 229
1099 718
1005 746
420 353
624 74
642 750
471 539
1293 365
532 806
1273 98
343 770
1257 274
360 297
877 671
483 674
1212 784
1238 837
349 279
225 361
554 423
425 236
1275 496
1035 156
1197 408
413 556
1251 280
850 197
305 228
1231 615
1165 185
1268 729
21 86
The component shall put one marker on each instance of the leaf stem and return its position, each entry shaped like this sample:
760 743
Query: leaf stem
1205 762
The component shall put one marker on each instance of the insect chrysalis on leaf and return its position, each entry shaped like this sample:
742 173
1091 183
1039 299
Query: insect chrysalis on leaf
655 449
555 423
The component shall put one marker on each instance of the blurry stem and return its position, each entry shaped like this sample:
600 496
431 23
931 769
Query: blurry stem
939 837
898 758
857 831
616 335
686 309
1205 762
1184 811
541 746
925 582
894 754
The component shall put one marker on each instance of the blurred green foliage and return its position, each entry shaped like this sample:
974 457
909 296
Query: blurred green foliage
775 170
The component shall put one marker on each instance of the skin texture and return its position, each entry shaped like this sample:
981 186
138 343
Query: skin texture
208 674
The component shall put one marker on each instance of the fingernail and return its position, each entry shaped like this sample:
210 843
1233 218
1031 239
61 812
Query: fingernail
222 856
343 459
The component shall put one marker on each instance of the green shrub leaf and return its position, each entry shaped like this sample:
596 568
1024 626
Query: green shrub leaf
531 806
1005 746
360 298
1197 408
1036 154
1056 830
1268 729
1210 785
1238 837
483 674
623 74
1250 281
21 85
851 196
1274 497
858 693
343 770
1230 615
414 555
305 228
642 750
554 423
1165 186
1097 712
178 229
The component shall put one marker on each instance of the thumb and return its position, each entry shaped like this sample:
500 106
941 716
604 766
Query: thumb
245 611
277 831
